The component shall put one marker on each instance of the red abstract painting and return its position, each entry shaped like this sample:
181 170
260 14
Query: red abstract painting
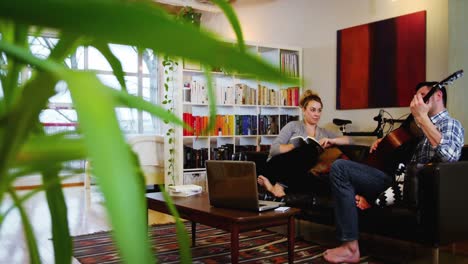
380 63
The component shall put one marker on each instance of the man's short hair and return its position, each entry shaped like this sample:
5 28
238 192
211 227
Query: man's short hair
430 84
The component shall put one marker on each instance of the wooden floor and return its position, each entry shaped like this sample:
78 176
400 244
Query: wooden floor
86 214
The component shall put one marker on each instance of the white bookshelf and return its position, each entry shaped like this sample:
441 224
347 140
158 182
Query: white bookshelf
236 97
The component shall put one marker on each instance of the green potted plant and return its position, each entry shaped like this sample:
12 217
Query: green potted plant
189 15
25 149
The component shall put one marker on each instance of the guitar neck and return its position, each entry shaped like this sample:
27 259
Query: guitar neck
442 83
434 88
431 92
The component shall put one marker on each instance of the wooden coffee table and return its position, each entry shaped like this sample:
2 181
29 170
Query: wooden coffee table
197 209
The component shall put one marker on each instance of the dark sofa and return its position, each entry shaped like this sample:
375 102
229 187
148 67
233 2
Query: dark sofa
433 211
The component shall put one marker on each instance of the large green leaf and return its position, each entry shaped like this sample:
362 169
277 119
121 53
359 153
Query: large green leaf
139 24
211 100
11 82
124 99
61 239
42 149
23 117
34 256
113 61
111 157
229 12
31 194
112 164
182 236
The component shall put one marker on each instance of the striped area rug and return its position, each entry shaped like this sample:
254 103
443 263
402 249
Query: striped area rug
213 246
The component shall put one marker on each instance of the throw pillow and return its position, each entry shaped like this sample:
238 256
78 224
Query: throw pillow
326 159
393 194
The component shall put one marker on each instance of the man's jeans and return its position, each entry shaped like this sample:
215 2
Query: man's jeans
349 178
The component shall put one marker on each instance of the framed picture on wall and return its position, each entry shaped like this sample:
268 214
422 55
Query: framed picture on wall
380 63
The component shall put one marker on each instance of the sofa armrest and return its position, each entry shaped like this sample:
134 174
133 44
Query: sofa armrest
443 198
411 183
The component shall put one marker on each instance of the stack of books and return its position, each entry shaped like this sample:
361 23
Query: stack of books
184 190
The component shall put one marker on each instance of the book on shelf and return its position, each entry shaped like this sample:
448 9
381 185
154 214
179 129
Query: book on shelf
284 119
299 141
290 63
268 125
224 152
194 158
246 125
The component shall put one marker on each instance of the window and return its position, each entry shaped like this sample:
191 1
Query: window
140 70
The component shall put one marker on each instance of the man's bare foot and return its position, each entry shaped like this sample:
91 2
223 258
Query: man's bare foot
348 252
277 190
361 202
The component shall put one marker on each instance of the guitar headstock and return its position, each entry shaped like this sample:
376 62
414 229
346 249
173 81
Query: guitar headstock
449 80
444 82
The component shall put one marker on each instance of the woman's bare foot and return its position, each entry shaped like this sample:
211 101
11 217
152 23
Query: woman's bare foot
361 202
348 252
277 190
264 182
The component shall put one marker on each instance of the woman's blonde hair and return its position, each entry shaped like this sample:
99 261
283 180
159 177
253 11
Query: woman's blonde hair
308 96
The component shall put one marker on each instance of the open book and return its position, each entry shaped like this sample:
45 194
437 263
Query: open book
299 141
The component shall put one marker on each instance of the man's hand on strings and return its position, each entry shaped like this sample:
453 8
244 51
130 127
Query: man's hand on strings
375 145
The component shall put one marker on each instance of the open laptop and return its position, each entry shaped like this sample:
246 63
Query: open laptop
233 184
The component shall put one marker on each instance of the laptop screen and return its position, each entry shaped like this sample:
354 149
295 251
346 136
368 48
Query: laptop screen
232 184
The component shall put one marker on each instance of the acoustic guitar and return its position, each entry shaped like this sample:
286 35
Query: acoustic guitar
398 145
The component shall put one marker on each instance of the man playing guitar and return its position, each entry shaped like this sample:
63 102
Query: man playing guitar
442 141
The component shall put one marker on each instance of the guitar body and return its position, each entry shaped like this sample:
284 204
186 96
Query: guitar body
395 147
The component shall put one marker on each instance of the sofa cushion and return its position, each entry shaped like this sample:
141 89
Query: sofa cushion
326 159
355 152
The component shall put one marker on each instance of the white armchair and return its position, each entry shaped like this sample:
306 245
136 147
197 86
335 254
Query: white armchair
150 151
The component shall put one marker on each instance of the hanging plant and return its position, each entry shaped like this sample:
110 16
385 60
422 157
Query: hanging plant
188 15
170 67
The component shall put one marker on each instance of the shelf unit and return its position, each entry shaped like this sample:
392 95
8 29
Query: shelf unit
250 113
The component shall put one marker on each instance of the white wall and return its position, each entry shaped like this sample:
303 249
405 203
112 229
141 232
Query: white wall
458 59
312 25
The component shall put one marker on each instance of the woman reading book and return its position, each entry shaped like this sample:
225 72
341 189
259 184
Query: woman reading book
289 163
